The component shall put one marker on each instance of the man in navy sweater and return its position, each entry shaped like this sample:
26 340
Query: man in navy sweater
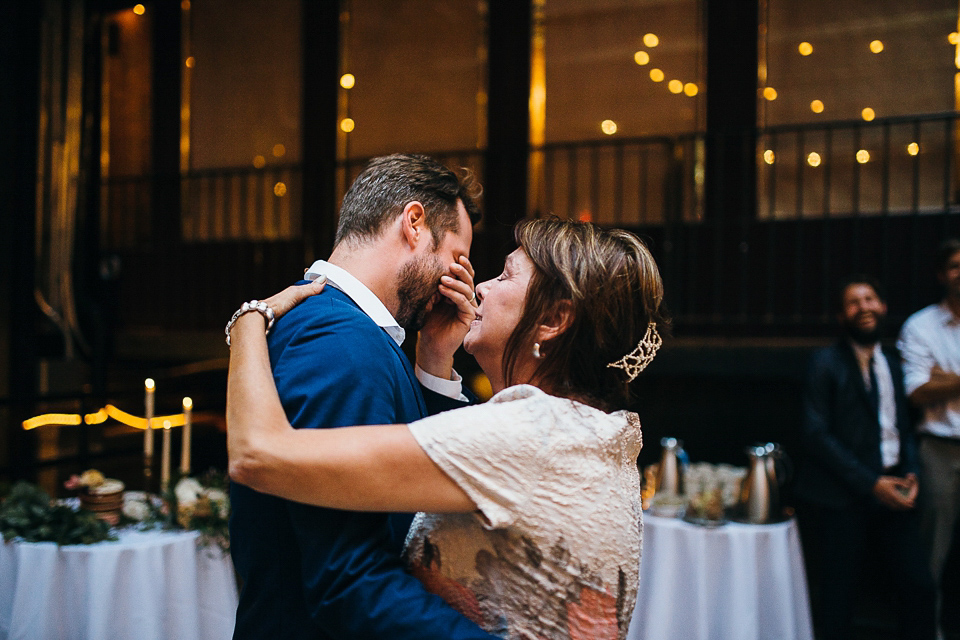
310 572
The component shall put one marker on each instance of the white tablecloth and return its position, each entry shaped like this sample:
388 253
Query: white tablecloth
734 582
151 585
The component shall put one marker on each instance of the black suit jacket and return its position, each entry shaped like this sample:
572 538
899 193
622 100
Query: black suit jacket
840 431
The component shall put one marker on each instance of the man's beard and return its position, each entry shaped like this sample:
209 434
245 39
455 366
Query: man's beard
862 336
418 280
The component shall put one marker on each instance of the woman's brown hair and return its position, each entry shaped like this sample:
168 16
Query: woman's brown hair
612 287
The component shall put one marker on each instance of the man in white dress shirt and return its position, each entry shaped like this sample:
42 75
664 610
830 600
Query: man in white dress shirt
930 346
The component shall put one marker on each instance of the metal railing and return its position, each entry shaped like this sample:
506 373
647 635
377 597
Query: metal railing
623 182
889 166
876 197
237 203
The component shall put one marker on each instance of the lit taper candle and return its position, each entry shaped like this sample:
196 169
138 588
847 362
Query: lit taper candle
165 457
149 388
187 434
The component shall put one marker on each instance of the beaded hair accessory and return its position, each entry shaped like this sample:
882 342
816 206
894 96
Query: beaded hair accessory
638 359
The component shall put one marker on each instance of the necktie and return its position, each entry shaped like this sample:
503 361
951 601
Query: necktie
874 392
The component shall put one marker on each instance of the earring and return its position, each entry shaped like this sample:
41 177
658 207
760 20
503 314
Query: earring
536 350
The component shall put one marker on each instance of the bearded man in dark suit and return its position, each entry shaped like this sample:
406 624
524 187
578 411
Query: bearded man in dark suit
858 477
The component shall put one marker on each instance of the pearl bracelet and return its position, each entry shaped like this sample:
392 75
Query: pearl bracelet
254 305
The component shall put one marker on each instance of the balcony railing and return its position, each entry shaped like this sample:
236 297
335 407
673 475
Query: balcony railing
832 199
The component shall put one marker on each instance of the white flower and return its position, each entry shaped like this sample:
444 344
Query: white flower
136 510
217 497
188 491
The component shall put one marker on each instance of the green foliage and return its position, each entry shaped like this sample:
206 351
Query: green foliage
28 513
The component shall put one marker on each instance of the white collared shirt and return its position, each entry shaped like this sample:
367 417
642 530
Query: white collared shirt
887 416
931 337
371 305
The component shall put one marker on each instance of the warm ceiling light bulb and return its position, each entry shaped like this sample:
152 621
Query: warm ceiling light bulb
656 75
863 156
769 156
641 57
651 40
139 9
691 89
279 150
813 159
609 127
770 93
259 162
816 106
347 125
954 38
675 86
913 148
868 114
805 48
279 189
347 81
876 46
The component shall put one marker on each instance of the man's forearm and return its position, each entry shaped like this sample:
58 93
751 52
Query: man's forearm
941 388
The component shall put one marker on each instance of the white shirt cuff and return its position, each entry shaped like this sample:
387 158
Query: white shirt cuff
449 388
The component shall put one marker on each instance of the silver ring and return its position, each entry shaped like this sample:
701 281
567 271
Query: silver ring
473 297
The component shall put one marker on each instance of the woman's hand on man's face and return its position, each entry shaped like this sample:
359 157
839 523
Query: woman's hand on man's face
449 320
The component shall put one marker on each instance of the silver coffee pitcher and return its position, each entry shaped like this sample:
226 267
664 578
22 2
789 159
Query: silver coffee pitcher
670 470
759 501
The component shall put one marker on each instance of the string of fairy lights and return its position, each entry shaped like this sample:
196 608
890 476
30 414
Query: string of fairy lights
643 58
817 106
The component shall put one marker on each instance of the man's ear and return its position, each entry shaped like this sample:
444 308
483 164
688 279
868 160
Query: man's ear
556 321
413 224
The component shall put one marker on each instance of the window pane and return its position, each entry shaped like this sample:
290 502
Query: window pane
418 68
890 56
856 105
616 61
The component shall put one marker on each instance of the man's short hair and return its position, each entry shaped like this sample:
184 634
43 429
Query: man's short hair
857 278
945 251
388 183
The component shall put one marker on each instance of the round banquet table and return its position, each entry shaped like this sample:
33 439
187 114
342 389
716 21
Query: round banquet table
733 582
148 585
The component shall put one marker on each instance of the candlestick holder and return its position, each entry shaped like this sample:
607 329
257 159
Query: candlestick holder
147 474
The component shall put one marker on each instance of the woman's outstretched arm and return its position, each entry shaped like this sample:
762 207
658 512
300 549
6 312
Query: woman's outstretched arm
371 468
